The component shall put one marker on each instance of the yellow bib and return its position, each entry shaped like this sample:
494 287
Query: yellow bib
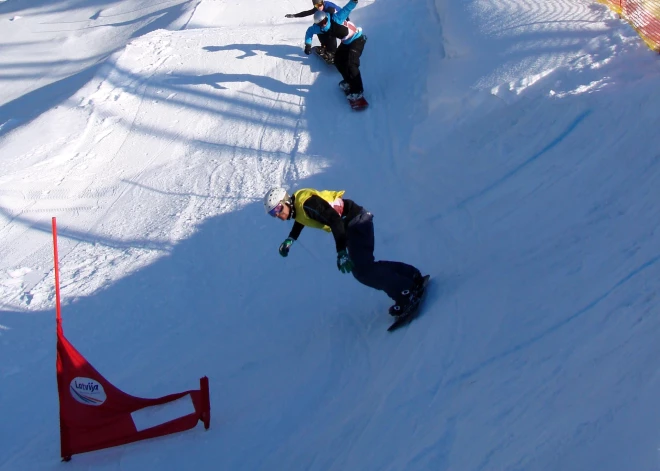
332 197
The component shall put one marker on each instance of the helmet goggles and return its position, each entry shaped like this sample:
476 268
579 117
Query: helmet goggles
276 210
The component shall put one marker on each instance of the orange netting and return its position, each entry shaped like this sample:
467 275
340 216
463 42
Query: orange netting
643 15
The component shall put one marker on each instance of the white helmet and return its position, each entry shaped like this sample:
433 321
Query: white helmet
275 197
319 16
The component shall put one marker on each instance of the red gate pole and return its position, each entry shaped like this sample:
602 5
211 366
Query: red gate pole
57 277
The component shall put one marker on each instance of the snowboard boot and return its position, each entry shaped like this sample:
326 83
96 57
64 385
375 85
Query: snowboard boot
406 299
418 284
346 88
354 96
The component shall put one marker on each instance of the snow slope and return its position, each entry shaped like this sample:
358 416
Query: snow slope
510 151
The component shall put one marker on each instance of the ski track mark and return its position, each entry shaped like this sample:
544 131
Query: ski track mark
554 328
512 173
64 195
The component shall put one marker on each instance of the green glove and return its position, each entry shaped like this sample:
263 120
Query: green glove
284 246
344 262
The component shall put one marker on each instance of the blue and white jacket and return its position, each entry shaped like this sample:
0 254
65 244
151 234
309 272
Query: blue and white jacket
337 25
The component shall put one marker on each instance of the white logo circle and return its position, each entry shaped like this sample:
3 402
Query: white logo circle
87 391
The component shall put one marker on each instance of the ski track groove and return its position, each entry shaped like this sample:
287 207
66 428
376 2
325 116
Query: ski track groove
375 128
296 136
65 192
145 85
455 320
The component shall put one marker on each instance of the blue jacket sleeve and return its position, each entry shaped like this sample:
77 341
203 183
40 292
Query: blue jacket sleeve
341 15
311 31
330 5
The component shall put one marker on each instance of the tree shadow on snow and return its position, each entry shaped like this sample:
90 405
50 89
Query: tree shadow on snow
216 79
281 51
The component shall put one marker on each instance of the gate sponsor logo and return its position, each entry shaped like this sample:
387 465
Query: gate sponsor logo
87 391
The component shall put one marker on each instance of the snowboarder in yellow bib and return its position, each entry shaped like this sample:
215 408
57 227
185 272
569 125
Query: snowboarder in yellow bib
353 230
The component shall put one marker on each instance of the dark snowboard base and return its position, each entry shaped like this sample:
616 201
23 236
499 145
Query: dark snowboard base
316 50
411 312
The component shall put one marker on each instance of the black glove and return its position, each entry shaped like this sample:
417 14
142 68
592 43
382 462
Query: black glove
308 49
289 15
344 262
284 246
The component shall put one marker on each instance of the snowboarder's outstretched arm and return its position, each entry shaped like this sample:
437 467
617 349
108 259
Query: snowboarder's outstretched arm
301 14
296 230
342 15
329 7
288 242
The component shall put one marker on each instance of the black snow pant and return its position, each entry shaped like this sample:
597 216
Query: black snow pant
391 277
328 41
347 61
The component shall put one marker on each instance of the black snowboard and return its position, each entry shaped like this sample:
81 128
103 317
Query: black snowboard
317 50
411 312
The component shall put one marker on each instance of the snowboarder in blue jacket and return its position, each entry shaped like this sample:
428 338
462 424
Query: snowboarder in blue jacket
347 57
328 42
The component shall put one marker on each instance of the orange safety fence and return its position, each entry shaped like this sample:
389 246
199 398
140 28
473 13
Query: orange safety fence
643 15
